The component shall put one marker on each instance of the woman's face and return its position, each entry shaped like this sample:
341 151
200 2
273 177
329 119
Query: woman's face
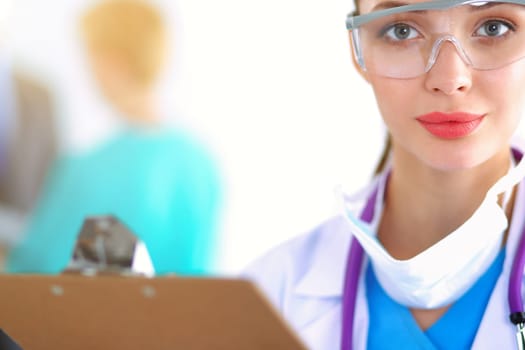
450 87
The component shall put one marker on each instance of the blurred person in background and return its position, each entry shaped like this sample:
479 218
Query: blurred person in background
161 182
27 140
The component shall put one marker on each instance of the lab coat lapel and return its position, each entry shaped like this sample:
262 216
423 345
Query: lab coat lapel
325 276
325 331
361 313
317 296
496 331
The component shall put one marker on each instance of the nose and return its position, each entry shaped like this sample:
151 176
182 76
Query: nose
449 72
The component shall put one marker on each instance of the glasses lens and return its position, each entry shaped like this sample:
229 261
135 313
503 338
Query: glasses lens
487 36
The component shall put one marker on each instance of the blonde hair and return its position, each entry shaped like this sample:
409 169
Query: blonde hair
133 30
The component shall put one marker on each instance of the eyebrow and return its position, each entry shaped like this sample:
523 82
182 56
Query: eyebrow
486 5
393 3
388 4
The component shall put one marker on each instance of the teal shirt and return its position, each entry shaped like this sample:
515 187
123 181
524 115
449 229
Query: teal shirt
162 184
392 326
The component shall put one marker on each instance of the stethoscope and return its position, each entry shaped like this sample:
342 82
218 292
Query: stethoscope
355 263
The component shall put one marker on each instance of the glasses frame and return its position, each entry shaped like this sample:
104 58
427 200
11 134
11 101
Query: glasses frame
354 21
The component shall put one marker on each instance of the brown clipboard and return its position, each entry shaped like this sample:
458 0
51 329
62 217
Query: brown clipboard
112 312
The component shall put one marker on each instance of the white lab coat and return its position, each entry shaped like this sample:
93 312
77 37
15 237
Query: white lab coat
304 280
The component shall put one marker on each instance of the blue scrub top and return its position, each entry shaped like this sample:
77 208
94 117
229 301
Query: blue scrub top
162 184
392 326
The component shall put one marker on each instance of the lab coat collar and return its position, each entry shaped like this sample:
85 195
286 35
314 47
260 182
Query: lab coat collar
333 236
323 283
324 278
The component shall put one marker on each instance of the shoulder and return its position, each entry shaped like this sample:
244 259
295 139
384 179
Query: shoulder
180 146
191 156
179 137
283 270
311 265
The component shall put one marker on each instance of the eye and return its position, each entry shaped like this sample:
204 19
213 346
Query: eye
494 28
400 31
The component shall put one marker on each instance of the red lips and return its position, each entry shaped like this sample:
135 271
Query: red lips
450 125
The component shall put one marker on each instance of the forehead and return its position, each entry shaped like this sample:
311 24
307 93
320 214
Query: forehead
370 10
366 6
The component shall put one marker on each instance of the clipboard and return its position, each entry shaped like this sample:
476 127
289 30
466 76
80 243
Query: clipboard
113 312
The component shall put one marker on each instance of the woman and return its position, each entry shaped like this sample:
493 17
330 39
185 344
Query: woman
423 262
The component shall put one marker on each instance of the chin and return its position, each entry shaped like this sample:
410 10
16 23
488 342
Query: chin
462 157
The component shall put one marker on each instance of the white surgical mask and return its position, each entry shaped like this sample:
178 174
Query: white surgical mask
439 275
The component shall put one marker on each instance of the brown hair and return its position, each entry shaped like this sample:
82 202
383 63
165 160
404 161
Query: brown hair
388 142
131 29
356 8
384 156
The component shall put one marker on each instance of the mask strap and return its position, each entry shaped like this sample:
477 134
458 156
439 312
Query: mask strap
508 193
511 178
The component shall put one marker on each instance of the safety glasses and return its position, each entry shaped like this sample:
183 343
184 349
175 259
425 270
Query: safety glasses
404 42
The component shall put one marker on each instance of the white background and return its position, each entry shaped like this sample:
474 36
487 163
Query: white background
269 85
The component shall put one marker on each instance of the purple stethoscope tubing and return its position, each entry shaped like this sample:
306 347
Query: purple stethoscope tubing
355 261
516 276
516 273
353 269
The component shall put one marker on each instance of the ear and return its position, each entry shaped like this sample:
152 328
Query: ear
359 69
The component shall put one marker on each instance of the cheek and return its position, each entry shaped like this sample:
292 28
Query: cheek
505 89
395 97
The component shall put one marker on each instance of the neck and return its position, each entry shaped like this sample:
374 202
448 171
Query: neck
139 108
424 204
